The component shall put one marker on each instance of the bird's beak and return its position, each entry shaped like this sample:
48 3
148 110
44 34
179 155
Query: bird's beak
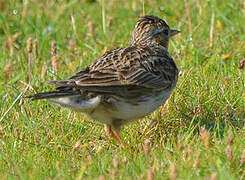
174 32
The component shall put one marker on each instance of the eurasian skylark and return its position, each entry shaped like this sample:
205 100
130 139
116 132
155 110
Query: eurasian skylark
124 84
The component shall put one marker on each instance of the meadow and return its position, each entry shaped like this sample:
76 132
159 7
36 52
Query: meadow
198 134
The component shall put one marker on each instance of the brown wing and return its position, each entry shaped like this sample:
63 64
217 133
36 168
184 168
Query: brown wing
132 66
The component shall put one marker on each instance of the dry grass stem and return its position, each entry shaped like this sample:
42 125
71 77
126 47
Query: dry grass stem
54 58
77 146
44 72
53 49
241 64
29 50
173 172
199 7
73 22
150 174
214 176
228 153
180 145
24 12
7 70
91 29
88 157
242 160
35 48
187 7
189 151
205 137
211 33
230 139
16 132
146 147
110 22
143 7
100 149
9 44
116 162
125 160
114 174
101 178
197 162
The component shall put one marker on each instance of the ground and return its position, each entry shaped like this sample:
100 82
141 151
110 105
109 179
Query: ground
198 134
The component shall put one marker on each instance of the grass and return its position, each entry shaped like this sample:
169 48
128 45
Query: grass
198 135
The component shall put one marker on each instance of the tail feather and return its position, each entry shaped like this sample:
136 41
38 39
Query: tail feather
69 98
60 92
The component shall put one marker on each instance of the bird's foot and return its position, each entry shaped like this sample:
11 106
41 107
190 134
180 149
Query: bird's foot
114 133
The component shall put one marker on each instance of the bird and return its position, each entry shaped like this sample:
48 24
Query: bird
125 84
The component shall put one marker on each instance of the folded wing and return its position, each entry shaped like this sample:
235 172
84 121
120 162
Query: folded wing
126 67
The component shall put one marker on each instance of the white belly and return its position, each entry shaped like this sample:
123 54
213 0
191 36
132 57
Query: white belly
127 111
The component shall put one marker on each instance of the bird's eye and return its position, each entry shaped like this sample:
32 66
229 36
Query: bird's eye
165 31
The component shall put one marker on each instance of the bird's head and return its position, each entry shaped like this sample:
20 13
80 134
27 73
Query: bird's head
152 30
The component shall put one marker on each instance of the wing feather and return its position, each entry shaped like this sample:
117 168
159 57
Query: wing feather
132 66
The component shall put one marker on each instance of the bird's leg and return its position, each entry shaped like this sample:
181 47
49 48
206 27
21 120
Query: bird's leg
113 133
167 102
117 134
